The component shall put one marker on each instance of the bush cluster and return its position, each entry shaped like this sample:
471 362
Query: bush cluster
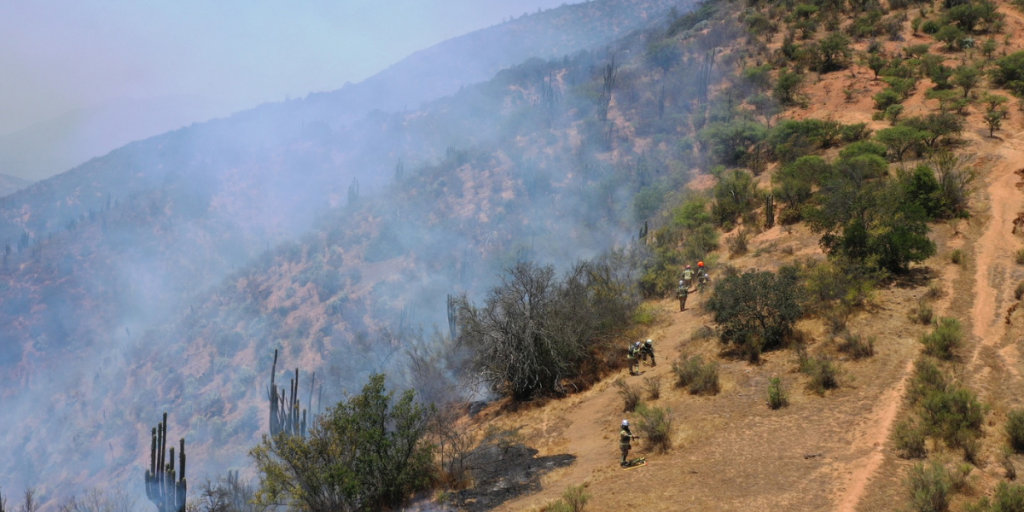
757 309
699 377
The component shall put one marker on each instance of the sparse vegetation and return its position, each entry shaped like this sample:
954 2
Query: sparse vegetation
858 347
909 440
655 426
944 340
631 395
694 374
652 385
574 499
823 373
929 487
778 397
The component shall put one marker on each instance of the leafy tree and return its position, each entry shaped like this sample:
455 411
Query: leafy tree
935 126
787 86
365 454
967 77
900 139
757 309
727 143
951 36
1009 73
886 98
831 53
735 194
793 182
865 218
989 47
863 147
921 187
994 120
876 62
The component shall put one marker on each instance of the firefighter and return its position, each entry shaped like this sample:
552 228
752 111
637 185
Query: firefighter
633 356
682 292
688 276
625 439
648 350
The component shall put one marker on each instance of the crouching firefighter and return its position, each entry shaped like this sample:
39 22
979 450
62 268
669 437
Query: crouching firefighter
648 350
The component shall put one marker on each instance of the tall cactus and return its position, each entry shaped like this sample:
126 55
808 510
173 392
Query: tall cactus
166 488
286 415
769 211
453 311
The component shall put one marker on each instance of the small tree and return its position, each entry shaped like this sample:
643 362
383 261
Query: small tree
756 310
966 77
900 140
787 86
951 36
994 120
735 194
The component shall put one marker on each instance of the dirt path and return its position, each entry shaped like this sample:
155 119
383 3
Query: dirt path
994 254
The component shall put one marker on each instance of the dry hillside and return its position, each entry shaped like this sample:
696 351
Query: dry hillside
836 450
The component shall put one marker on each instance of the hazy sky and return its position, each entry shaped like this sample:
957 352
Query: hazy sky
59 55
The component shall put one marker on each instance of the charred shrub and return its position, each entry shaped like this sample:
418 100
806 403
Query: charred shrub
535 331
756 310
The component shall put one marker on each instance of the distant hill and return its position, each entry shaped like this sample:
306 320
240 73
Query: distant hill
442 69
11 184
56 145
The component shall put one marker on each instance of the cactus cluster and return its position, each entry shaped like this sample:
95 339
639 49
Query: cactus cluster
165 487
286 416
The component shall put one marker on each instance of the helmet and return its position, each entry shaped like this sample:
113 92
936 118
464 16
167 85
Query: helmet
700 263
689 266
648 342
625 423
680 283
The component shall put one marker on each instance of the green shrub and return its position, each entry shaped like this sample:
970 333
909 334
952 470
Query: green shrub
787 86
944 340
777 395
931 26
957 257
923 313
1008 498
386 458
574 499
655 426
699 377
1018 292
727 143
1009 73
824 374
929 487
900 140
950 35
857 347
631 395
955 416
1015 429
927 379
756 310
1019 257
864 147
909 440
886 98
1006 460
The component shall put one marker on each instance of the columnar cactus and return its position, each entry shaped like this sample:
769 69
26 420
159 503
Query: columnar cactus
286 416
165 487
769 211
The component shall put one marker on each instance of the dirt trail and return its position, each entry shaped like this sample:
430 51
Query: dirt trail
994 253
